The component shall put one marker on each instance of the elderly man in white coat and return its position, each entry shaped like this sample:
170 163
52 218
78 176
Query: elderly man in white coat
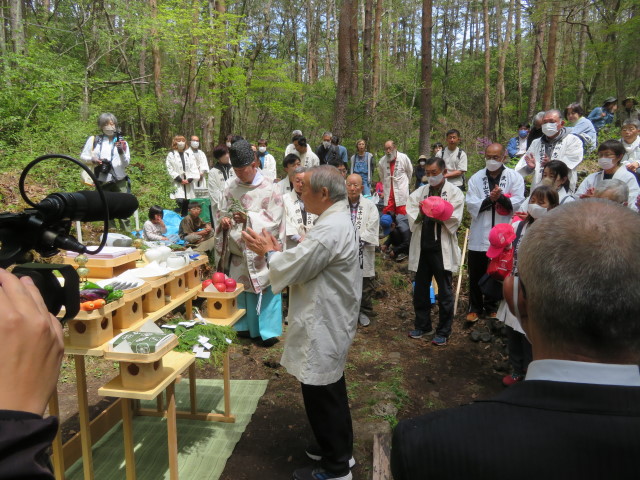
324 275
494 194
365 217
556 143
298 220
395 173
434 251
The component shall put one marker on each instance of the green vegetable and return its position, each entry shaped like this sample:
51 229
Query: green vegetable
89 286
114 295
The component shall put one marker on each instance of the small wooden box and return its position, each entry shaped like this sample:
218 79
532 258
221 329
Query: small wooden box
154 299
90 333
222 304
192 277
176 286
132 310
108 267
141 376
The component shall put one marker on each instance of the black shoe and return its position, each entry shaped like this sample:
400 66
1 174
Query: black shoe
319 473
270 342
314 453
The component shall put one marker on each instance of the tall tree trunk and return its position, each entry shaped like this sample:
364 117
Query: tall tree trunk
312 48
227 118
367 68
375 85
426 70
464 32
17 25
547 94
518 44
582 56
487 69
157 75
353 51
344 68
535 67
189 123
500 91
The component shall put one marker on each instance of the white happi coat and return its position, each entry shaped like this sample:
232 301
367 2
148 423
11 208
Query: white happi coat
368 226
190 172
203 166
323 274
401 178
449 238
569 151
216 184
632 151
621 174
308 159
294 224
269 166
481 222
263 205
284 186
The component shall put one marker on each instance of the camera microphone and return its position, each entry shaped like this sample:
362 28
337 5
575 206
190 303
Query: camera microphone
86 206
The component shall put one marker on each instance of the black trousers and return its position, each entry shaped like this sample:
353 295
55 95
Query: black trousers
327 408
520 352
366 304
183 205
478 263
431 265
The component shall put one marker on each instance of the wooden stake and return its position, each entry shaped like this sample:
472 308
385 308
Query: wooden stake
464 251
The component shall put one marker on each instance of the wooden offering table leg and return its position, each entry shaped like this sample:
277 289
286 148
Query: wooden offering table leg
83 413
172 432
188 305
192 388
226 378
57 457
160 402
127 430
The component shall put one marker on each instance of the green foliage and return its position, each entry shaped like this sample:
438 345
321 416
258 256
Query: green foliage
188 338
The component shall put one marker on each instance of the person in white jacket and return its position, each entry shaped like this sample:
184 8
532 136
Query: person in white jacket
556 143
324 276
434 251
182 168
267 162
201 162
395 172
365 217
298 220
494 195
610 154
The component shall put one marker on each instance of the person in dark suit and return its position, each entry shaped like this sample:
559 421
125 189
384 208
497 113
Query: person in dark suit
577 414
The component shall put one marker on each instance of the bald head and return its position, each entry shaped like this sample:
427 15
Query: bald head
579 266
494 150
354 187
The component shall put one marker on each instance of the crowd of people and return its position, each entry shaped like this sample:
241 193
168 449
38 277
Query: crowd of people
316 230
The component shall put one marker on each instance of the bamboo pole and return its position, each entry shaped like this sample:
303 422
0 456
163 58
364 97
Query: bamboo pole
464 251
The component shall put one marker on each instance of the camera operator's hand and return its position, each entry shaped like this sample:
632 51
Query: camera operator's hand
31 346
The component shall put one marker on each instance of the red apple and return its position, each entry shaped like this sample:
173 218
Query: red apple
221 287
231 284
206 283
218 277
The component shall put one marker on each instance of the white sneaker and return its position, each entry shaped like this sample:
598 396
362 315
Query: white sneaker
364 320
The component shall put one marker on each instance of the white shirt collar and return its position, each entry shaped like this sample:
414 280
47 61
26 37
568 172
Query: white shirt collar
584 372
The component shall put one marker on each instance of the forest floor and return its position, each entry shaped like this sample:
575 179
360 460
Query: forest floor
389 377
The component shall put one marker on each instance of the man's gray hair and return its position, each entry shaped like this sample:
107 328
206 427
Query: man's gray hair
613 189
327 133
537 118
582 287
555 111
296 132
299 170
105 118
632 121
329 177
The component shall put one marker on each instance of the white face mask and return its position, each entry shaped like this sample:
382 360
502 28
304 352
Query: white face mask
228 144
195 144
262 149
435 180
180 144
109 130
493 165
605 163
326 144
550 129
536 211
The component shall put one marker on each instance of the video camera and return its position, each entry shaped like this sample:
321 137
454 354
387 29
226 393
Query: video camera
45 228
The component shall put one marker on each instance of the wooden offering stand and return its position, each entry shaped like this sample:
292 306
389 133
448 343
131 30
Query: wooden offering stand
222 307
108 267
